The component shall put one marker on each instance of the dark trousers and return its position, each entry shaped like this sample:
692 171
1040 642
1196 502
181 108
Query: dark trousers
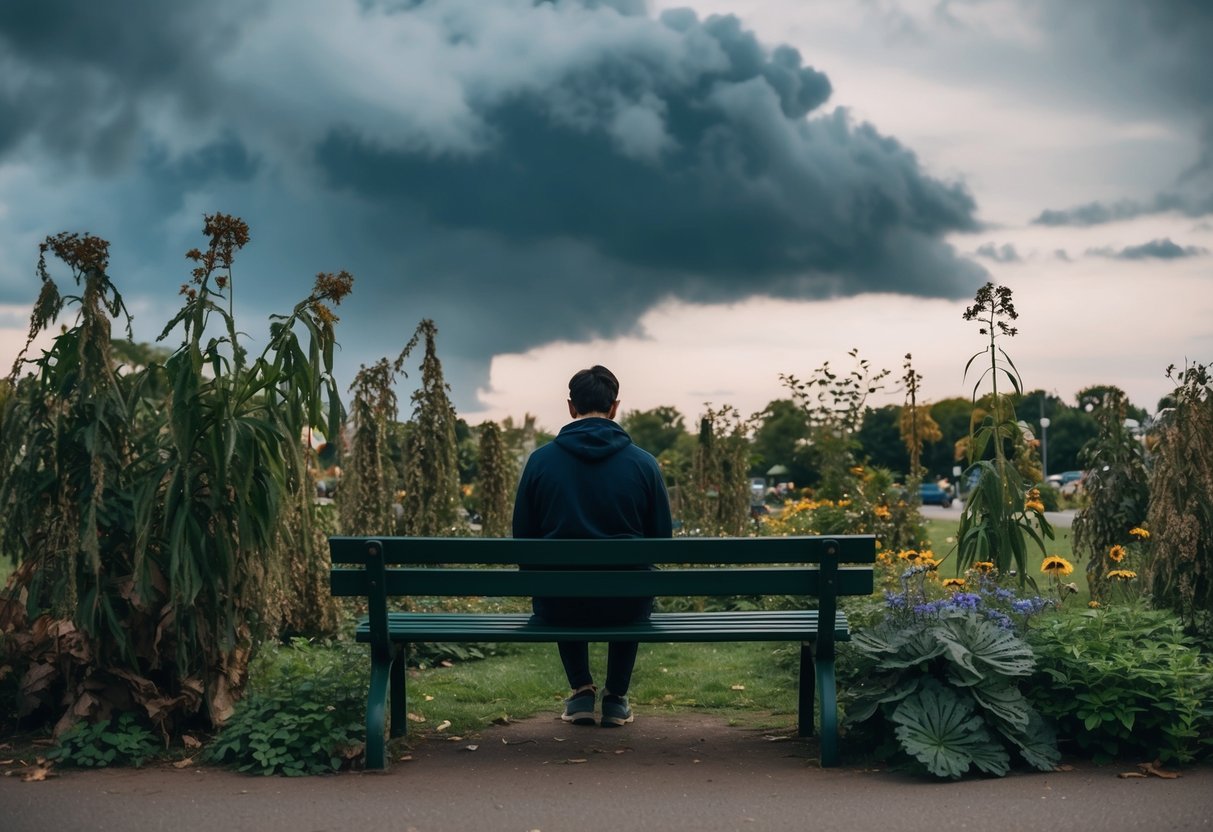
595 612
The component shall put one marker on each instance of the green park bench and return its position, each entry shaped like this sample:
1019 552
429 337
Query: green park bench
379 568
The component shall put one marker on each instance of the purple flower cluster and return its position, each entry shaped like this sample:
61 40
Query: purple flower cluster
997 604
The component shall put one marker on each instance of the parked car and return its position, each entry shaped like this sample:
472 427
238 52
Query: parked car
933 495
1067 482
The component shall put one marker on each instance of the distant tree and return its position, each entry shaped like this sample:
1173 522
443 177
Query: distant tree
952 415
654 430
716 501
879 437
780 439
1070 429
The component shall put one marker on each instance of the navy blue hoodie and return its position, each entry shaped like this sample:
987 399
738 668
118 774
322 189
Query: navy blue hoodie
591 482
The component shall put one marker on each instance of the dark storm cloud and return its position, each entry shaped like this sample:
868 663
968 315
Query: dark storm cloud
523 172
1164 249
1006 253
1156 57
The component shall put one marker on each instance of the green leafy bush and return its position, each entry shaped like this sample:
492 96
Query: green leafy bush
937 683
1124 680
302 714
117 742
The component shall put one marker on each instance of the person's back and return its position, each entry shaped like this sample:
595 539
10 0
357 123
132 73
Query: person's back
592 482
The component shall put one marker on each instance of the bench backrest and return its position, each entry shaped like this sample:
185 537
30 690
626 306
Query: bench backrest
393 566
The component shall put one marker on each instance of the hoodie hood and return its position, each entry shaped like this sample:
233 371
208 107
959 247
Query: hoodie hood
593 438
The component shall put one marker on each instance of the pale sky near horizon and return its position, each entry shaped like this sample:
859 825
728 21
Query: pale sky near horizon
1064 149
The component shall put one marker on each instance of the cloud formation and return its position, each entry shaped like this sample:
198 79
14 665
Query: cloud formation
1006 253
1153 57
522 172
1163 249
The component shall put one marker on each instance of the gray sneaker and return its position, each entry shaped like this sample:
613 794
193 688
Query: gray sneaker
615 711
579 708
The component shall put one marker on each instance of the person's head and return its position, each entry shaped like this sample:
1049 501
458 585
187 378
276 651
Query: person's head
593 392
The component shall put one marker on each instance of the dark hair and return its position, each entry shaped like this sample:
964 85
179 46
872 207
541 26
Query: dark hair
593 390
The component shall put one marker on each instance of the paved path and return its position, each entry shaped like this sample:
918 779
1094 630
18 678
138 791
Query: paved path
684 772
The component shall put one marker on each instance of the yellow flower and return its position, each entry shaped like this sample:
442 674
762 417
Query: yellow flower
983 566
1093 604
1116 553
882 512
1034 505
1056 566
1122 574
958 583
1140 532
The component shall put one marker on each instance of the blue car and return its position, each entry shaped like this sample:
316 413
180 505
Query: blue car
933 495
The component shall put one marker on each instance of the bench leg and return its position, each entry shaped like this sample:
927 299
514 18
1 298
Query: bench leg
376 703
400 723
808 685
829 713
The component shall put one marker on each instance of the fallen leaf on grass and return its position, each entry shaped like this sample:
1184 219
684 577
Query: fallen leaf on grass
442 726
429 698
1131 775
454 738
415 717
186 763
737 687
191 742
1156 769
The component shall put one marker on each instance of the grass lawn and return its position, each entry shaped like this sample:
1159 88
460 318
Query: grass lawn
748 684
942 537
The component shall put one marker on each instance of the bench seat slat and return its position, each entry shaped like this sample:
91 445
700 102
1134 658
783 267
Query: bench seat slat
786 625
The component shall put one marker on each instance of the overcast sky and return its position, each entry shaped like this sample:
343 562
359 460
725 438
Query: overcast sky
700 195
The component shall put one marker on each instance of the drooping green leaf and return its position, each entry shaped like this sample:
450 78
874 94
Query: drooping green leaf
938 728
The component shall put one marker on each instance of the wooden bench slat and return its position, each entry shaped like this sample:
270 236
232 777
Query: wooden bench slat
439 581
609 552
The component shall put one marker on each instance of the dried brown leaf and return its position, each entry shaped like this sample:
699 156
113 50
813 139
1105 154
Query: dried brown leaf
186 763
442 726
1155 768
1131 775
415 717
737 687
37 774
470 747
576 760
191 742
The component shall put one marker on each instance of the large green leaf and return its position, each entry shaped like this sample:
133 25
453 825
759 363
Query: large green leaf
937 727
980 646
1005 702
1037 743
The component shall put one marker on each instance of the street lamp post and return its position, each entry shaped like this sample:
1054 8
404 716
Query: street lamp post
1044 447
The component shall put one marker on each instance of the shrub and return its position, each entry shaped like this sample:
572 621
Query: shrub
302 714
116 742
942 676
1124 680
